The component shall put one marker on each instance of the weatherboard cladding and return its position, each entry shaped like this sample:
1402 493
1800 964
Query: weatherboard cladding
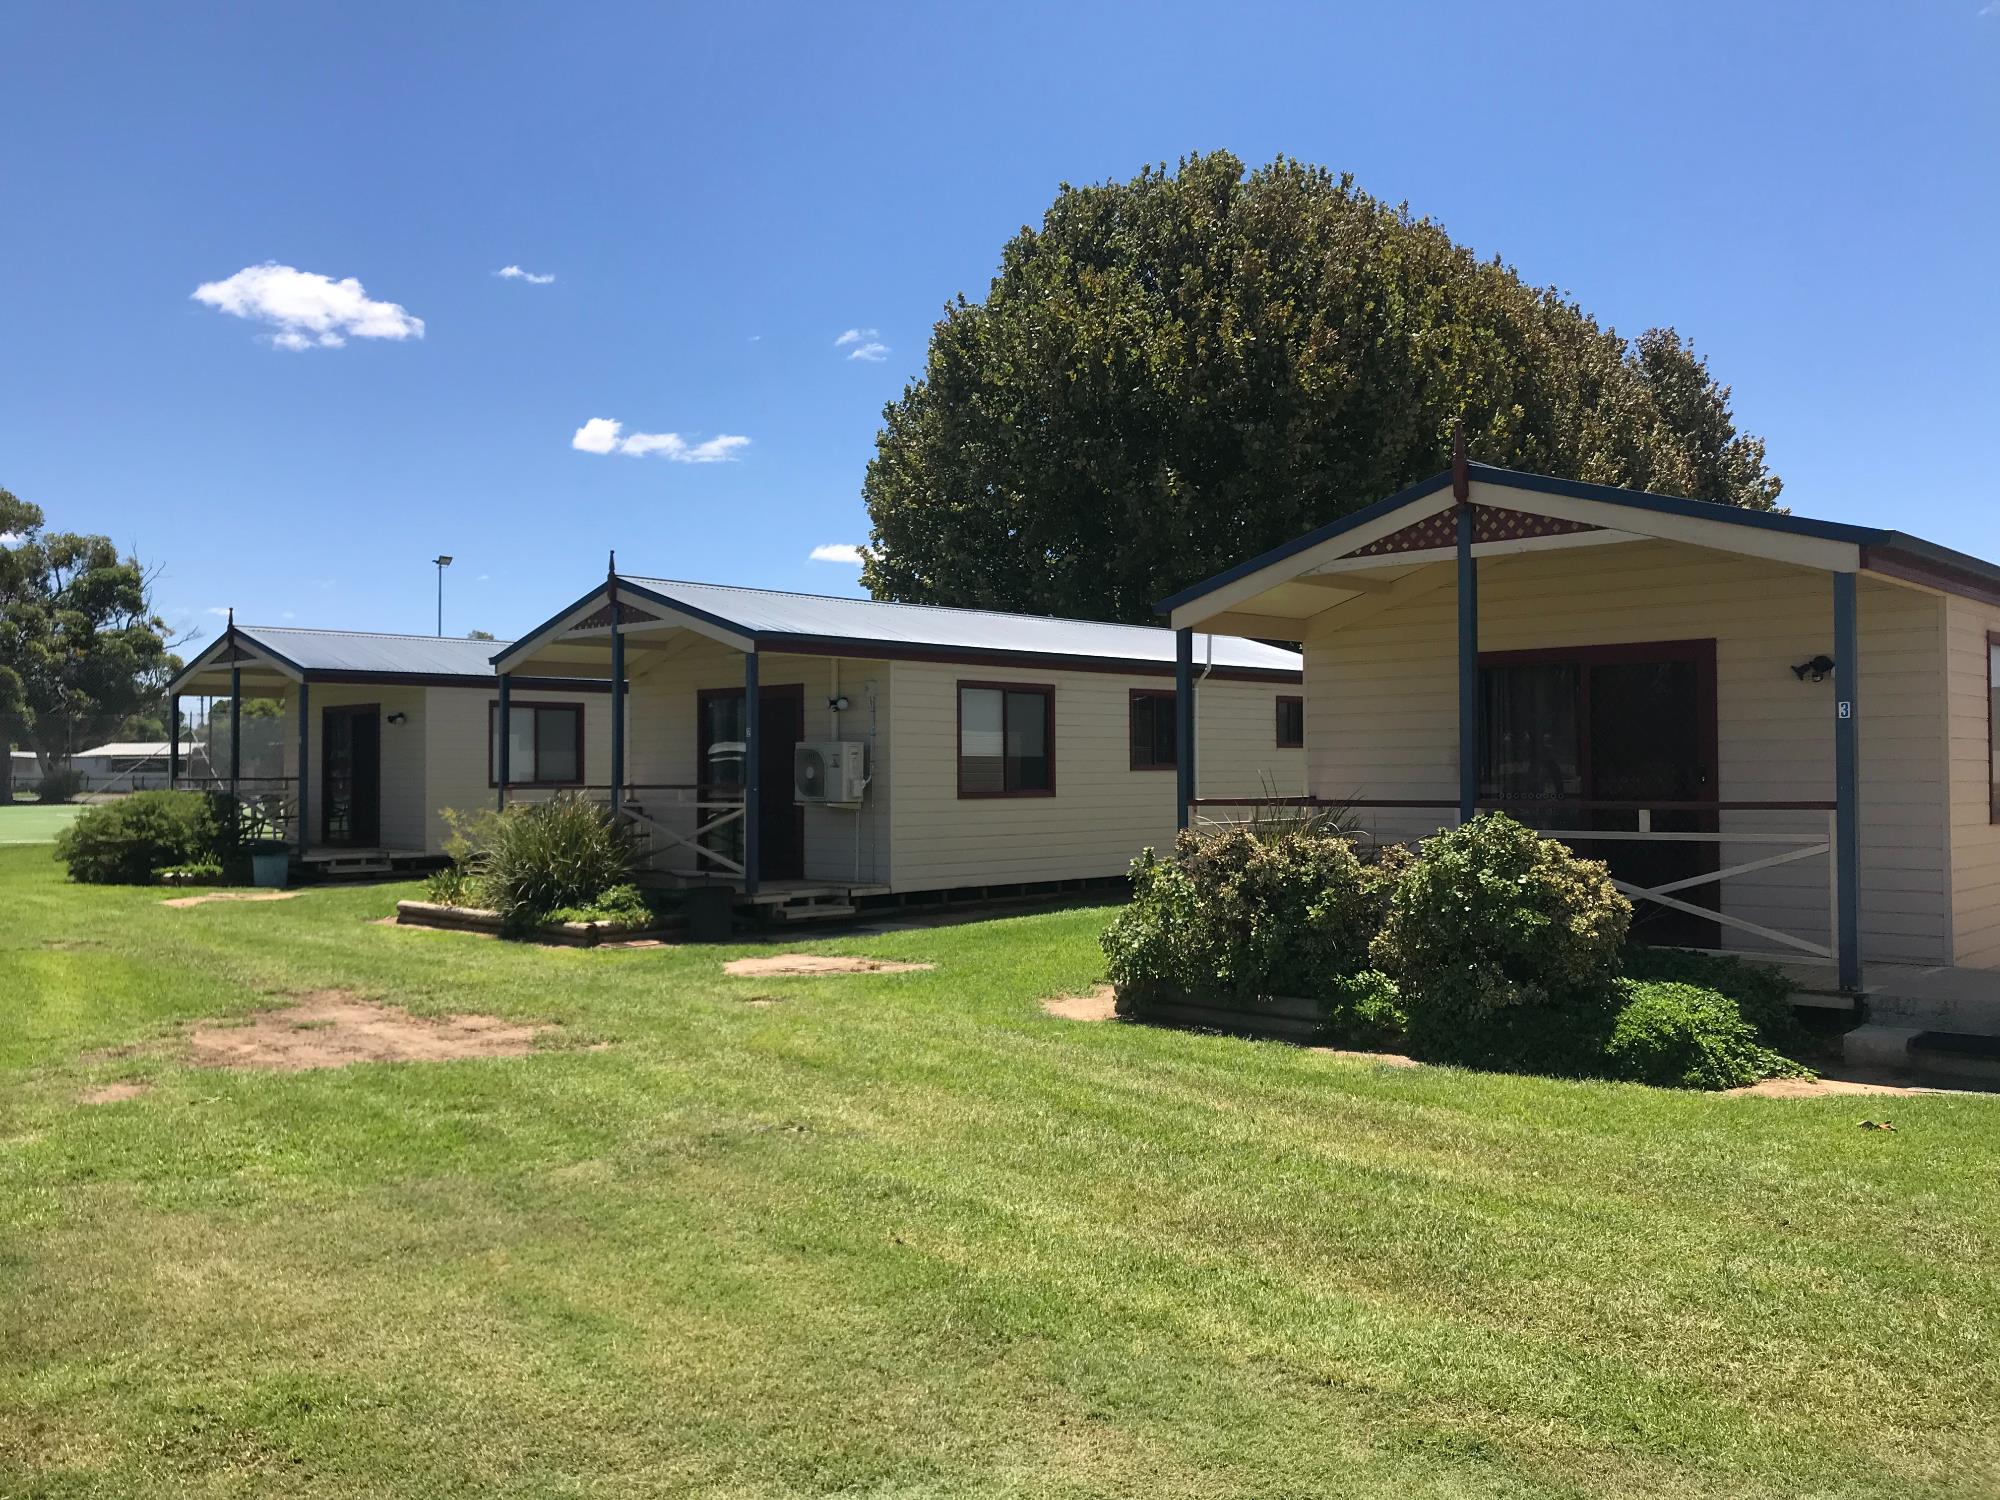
772 615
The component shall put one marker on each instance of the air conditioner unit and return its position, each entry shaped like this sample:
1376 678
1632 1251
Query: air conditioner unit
831 771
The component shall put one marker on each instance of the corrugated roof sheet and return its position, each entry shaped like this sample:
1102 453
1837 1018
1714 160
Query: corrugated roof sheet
763 612
367 651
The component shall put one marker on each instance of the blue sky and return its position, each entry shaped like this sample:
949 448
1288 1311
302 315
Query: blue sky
1811 192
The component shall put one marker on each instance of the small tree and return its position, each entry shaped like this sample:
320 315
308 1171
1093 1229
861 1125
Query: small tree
81 650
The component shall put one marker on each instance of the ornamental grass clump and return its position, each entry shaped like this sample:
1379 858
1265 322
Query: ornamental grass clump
537 859
1506 949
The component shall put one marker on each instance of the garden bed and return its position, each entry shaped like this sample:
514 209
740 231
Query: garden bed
561 934
1286 1018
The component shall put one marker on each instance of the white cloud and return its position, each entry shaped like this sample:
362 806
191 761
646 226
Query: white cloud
598 435
601 435
221 611
515 273
10 538
854 336
838 552
873 353
307 309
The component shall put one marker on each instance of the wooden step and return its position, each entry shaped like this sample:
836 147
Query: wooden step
814 911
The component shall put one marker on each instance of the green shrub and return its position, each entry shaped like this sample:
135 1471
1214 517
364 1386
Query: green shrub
545 857
1684 1036
124 842
621 906
60 785
1505 947
1246 914
1761 992
1365 1011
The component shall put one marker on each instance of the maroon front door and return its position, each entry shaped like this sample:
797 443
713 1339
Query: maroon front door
781 842
1631 724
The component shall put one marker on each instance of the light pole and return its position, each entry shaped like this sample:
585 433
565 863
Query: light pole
443 561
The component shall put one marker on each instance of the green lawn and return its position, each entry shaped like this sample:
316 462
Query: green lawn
906 1236
28 823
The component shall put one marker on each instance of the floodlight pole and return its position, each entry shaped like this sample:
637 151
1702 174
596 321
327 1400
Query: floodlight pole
443 561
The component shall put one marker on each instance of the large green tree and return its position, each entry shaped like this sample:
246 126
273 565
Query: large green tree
81 650
1177 372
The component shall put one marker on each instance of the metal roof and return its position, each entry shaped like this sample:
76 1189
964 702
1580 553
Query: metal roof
772 616
371 652
1887 551
127 750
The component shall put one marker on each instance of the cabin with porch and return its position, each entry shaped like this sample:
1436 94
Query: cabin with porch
381 734
1778 731
810 752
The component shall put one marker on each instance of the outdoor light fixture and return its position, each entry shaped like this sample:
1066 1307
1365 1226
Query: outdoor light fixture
399 718
443 561
838 705
1817 669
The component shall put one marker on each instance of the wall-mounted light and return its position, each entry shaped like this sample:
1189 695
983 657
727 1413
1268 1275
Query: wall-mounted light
399 718
1817 669
838 705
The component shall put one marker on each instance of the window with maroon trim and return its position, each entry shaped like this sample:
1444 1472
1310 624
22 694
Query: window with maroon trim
1291 723
1155 746
1006 740
1993 726
546 744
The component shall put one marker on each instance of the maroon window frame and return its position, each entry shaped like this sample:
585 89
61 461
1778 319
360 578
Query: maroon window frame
1048 695
514 778
1297 739
1146 758
1992 730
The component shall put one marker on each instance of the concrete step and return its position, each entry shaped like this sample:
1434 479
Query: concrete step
1947 1059
1978 1014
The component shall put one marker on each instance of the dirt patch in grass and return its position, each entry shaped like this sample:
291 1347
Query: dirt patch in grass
815 963
1380 1059
229 896
113 1093
1101 1004
1827 1088
333 1028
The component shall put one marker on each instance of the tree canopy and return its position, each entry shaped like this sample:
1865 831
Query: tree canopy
1178 372
81 651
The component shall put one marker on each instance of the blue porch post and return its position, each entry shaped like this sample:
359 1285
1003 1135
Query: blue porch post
305 767
1184 726
617 713
235 727
503 742
1847 780
1468 668
174 740
752 771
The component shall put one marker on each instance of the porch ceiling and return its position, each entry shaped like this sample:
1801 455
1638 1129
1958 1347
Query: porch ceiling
1401 546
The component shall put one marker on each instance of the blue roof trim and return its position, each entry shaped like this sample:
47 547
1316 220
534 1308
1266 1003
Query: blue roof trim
1575 489
736 627
553 620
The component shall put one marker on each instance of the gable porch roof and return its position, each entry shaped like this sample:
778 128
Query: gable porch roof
1374 551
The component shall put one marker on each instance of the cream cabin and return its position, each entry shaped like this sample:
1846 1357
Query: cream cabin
804 748
1778 731
381 734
